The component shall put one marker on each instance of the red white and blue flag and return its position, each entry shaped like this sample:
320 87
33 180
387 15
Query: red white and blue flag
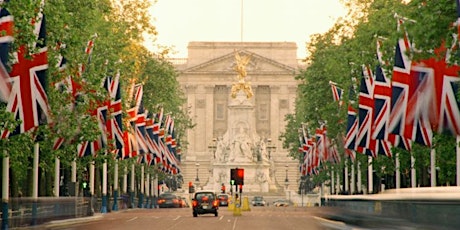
411 93
365 114
336 92
322 143
91 148
129 146
6 38
115 116
28 99
152 140
137 119
382 106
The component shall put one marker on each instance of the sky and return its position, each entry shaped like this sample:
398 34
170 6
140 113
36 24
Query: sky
179 22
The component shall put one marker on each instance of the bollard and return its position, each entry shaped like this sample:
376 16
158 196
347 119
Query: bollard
237 208
231 206
246 206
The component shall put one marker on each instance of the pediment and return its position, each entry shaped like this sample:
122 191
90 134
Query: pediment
226 64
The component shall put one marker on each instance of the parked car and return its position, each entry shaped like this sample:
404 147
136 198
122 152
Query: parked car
169 200
258 201
281 203
205 202
223 199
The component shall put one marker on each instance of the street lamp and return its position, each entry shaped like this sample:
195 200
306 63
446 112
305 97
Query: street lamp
270 147
213 147
197 179
286 181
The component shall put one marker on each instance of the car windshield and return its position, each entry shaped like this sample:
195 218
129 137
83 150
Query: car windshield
222 197
258 198
167 195
204 196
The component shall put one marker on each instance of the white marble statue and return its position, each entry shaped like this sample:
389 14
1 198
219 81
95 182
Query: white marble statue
222 153
260 150
241 147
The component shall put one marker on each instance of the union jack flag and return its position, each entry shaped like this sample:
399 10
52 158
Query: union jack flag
365 113
72 85
336 92
129 146
152 139
410 94
352 122
137 119
313 156
114 121
448 105
382 100
322 143
6 37
88 148
28 99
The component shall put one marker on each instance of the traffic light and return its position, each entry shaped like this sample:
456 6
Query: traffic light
191 188
236 176
239 180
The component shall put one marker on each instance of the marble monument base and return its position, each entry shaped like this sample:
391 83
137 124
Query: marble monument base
257 177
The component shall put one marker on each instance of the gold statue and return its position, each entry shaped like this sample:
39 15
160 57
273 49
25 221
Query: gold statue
240 67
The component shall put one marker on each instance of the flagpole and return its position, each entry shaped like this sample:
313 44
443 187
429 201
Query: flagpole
347 188
353 178
5 189
359 182
141 192
332 181
337 184
241 29
57 176
91 186
115 186
370 176
397 171
133 177
104 187
433 167
152 190
35 183
458 160
125 180
147 188
413 174
156 193
74 171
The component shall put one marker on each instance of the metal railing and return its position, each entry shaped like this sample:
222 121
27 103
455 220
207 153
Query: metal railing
24 212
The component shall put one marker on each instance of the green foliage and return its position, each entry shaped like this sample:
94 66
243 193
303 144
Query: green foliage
117 29
337 56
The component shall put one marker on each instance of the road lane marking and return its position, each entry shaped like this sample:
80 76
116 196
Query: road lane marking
176 218
131 219
221 217
234 223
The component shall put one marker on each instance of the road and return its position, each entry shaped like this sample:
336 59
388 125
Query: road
182 219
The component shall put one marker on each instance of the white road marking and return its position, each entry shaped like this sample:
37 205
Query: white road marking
131 219
234 223
176 218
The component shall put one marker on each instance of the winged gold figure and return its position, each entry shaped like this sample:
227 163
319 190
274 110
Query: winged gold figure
240 68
